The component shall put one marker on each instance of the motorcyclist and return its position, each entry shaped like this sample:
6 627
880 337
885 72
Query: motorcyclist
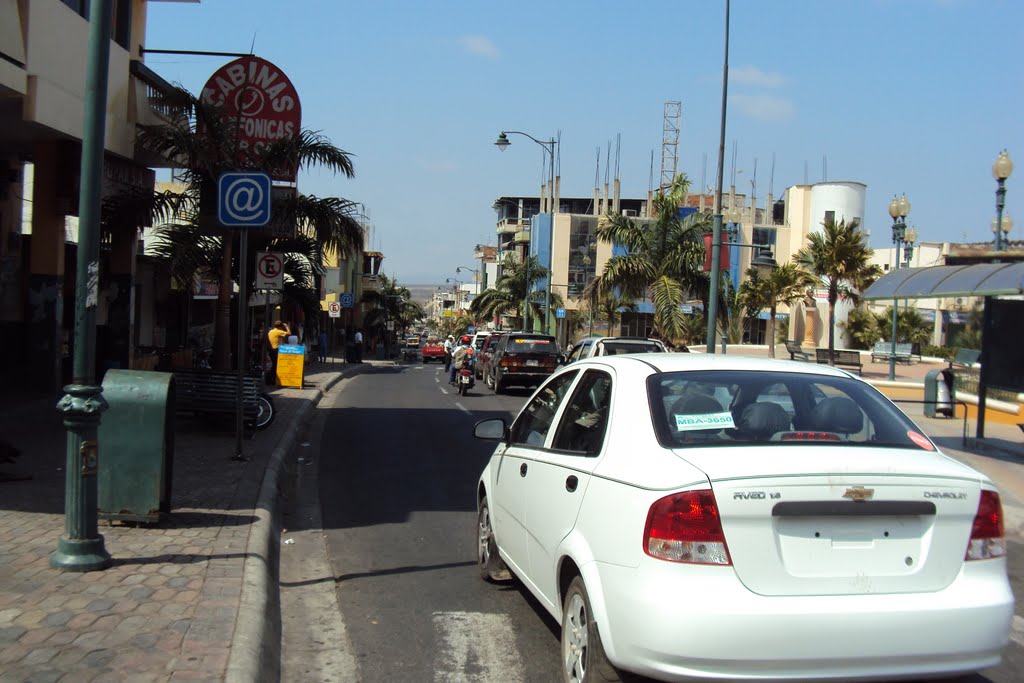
449 346
461 356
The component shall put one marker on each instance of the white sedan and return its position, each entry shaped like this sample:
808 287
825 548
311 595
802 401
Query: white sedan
702 516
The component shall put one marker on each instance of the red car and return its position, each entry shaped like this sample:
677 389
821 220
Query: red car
433 349
483 361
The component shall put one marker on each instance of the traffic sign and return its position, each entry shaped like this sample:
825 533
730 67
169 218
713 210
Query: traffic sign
346 300
334 309
559 312
269 270
243 200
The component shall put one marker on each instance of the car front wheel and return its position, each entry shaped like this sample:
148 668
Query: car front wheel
492 568
583 658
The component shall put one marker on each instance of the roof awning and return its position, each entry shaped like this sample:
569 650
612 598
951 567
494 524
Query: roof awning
981 279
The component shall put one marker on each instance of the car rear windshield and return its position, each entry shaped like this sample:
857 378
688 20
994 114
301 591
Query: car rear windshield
723 407
532 345
612 348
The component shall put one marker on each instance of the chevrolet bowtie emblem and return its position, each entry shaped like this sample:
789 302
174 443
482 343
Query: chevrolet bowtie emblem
859 493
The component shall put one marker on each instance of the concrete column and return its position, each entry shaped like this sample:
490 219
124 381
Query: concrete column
45 345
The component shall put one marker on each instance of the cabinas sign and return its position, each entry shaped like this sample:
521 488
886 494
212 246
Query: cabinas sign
262 103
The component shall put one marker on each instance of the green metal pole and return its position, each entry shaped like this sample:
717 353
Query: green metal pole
551 234
81 548
716 225
895 317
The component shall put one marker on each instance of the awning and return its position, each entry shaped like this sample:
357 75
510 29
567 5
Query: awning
981 279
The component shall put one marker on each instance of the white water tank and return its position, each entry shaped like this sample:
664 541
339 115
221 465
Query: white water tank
844 199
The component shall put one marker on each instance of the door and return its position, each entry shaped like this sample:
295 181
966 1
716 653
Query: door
560 475
527 436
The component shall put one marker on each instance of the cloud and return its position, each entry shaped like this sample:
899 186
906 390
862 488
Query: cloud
764 107
751 75
478 45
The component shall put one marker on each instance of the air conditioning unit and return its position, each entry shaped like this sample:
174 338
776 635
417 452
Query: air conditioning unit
629 213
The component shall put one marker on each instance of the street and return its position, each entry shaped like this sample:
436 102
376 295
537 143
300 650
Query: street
389 590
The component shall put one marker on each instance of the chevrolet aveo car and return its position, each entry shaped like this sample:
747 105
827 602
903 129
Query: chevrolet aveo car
690 516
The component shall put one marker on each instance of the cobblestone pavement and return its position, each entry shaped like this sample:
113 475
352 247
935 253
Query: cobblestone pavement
170 608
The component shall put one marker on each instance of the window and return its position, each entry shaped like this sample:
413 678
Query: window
725 407
585 418
531 428
830 216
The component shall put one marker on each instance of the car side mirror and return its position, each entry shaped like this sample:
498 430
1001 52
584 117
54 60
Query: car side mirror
493 429
561 359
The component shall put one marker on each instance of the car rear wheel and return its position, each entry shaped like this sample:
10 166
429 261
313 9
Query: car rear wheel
492 568
583 658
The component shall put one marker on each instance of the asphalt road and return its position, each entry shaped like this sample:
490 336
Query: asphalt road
396 594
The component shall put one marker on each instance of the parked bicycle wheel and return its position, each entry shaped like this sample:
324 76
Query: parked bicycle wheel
266 411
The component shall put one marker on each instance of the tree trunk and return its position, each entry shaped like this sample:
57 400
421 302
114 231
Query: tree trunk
832 296
222 315
771 333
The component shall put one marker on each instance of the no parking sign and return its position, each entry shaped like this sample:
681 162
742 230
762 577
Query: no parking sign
269 270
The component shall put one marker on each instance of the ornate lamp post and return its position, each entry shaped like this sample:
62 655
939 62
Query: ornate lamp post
1002 167
1006 226
549 147
899 209
908 250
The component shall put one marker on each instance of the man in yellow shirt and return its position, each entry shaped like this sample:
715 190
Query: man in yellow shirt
275 337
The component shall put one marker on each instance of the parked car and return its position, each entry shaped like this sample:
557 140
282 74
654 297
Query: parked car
479 338
613 346
483 361
723 517
522 359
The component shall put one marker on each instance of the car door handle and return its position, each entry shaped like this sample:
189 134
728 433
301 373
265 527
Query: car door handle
522 470
571 483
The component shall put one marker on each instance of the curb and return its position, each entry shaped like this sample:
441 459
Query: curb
255 647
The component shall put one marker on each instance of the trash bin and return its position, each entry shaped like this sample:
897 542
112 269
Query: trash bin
938 393
136 445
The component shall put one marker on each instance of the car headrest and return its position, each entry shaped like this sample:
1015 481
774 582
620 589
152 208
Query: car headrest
697 404
761 420
837 414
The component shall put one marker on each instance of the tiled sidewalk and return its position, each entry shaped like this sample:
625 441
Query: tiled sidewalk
171 606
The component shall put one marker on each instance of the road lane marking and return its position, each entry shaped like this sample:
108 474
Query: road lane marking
463 408
475 647
443 390
1017 631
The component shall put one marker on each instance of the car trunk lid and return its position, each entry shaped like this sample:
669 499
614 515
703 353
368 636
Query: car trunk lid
854 520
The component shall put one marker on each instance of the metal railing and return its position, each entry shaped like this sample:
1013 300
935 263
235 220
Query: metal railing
954 402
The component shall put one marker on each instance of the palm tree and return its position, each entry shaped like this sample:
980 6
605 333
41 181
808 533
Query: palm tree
391 303
509 291
785 285
663 260
606 302
838 257
205 145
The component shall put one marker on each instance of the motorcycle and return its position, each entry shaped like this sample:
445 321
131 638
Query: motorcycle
464 379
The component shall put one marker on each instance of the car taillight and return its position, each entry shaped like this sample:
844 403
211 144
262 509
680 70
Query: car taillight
809 436
987 532
685 527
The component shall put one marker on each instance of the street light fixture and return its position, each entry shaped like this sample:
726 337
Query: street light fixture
549 147
911 238
899 209
1002 167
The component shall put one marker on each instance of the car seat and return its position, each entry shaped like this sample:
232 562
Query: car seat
837 414
759 421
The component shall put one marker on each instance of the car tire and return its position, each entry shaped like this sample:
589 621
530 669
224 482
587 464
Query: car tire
583 657
499 386
489 380
492 568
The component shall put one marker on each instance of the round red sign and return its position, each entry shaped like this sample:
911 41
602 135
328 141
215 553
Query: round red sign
262 101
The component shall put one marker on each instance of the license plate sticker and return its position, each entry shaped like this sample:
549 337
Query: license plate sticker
687 423
533 362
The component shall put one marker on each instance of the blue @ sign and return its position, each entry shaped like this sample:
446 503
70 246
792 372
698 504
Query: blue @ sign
346 300
243 200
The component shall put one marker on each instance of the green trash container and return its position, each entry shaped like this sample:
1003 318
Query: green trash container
938 393
136 445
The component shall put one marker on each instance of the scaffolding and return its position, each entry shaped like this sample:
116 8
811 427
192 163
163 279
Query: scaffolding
670 144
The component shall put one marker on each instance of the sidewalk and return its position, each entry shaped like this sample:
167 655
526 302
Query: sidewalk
192 598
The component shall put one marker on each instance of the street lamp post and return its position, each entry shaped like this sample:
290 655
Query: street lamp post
898 210
1001 170
549 147
586 266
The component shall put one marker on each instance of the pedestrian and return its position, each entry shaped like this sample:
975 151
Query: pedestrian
321 346
275 336
358 341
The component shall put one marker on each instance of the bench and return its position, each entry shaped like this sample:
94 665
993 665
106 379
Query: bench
882 351
849 359
965 358
796 352
208 392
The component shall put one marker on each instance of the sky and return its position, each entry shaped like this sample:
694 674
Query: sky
906 96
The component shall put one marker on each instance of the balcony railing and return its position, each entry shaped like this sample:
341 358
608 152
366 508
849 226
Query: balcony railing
155 98
507 226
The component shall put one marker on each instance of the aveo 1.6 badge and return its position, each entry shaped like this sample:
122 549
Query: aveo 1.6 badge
243 199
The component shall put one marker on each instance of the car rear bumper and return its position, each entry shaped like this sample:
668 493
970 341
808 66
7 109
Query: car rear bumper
707 624
524 377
